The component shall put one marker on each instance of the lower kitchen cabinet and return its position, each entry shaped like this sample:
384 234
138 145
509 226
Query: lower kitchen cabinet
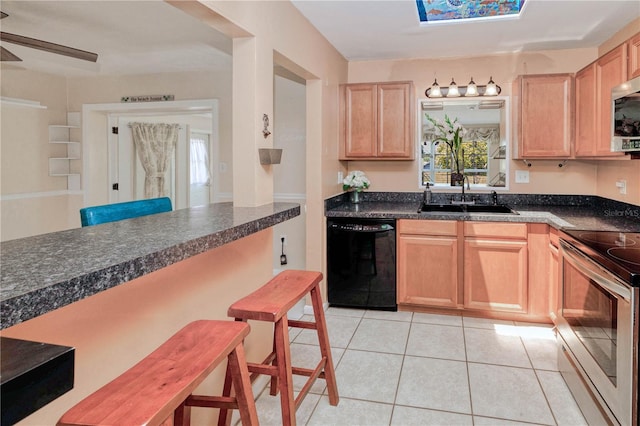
554 274
495 266
494 269
428 253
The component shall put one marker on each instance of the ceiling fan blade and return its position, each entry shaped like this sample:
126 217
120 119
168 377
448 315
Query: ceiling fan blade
48 47
5 55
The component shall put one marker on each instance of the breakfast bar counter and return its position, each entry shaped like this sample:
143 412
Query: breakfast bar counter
45 272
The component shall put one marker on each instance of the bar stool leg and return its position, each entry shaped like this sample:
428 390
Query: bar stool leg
242 386
325 348
285 377
241 381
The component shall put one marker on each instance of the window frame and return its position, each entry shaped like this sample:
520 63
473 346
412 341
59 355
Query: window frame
505 136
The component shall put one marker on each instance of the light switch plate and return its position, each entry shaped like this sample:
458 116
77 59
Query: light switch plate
522 176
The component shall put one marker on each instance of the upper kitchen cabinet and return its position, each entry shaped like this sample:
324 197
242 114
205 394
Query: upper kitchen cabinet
543 116
593 102
377 121
634 56
611 70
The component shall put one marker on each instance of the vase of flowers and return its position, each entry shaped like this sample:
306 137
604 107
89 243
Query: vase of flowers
355 182
451 132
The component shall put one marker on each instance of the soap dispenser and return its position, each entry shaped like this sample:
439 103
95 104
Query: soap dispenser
426 198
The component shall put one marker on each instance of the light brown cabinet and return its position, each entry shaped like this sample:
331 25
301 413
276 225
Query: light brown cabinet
543 116
377 121
611 70
495 267
428 263
593 103
634 56
554 275
586 99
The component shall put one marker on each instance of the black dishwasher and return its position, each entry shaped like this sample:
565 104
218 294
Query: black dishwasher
361 263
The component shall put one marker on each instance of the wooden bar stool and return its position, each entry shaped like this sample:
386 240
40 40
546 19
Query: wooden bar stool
161 384
271 303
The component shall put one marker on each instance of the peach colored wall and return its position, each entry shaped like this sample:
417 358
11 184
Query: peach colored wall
278 29
545 177
618 38
113 330
31 201
609 172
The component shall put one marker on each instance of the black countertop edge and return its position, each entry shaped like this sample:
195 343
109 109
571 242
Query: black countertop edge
558 211
46 272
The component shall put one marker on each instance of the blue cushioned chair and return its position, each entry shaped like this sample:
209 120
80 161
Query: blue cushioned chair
113 212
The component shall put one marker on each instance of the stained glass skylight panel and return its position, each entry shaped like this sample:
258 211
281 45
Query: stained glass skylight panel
452 10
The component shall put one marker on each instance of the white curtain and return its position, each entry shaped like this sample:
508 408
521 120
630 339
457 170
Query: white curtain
199 164
155 144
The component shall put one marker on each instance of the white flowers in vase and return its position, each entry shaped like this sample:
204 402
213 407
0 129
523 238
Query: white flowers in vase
356 181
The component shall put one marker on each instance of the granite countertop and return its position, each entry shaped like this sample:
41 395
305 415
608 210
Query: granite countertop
46 272
558 211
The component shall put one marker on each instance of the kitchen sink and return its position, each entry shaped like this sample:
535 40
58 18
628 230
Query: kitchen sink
466 208
498 208
443 208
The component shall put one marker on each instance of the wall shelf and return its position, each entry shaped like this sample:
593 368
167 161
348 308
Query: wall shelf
66 165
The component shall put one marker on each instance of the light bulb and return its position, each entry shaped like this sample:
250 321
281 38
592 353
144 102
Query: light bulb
453 90
435 90
472 89
492 90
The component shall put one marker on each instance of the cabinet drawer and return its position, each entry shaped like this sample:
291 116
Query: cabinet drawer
496 230
428 227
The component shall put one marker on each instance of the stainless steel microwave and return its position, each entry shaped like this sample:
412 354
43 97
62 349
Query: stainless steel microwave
625 122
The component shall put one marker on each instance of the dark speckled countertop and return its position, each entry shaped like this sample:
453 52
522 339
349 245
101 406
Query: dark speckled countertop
46 272
559 211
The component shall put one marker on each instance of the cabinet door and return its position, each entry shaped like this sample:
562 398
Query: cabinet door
360 120
634 56
546 118
395 120
554 281
428 271
611 70
495 275
585 143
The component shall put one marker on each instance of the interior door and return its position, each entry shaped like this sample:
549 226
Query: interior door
127 173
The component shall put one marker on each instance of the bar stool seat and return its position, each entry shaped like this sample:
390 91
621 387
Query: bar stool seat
271 303
161 384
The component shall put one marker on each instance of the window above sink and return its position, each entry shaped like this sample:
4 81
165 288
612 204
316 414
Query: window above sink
485 143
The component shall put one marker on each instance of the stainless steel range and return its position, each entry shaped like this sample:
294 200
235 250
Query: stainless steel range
598 323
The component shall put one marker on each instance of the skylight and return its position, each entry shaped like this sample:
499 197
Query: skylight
431 11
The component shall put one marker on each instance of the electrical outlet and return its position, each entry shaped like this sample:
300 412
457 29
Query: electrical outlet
622 186
340 177
522 176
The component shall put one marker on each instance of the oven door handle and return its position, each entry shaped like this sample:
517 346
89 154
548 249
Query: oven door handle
594 271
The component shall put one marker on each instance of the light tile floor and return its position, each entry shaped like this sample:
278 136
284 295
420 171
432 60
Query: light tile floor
403 368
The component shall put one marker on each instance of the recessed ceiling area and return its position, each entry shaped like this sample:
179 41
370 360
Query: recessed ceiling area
130 37
390 29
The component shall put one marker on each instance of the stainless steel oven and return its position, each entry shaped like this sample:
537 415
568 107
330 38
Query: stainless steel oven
598 323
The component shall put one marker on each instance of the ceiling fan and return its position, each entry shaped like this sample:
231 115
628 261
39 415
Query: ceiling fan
33 43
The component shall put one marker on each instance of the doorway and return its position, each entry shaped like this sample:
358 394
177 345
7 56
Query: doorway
289 177
124 177
189 178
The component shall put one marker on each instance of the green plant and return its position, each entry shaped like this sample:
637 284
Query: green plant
450 132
